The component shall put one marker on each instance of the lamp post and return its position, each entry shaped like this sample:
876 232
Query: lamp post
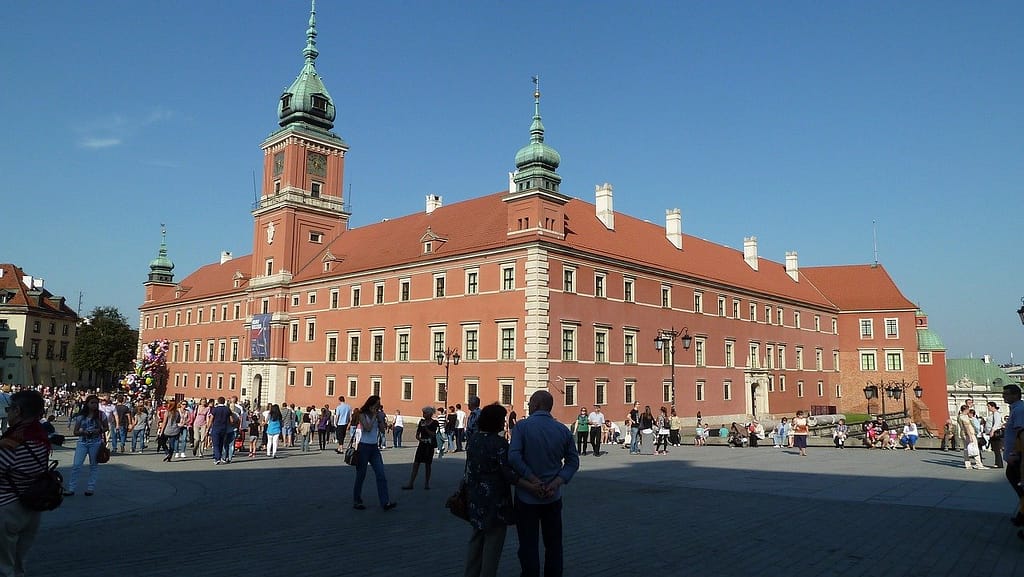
668 337
449 357
875 391
898 390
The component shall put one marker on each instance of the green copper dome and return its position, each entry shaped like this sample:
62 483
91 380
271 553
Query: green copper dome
537 153
307 100
161 268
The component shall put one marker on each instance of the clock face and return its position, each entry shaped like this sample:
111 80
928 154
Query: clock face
316 164
278 163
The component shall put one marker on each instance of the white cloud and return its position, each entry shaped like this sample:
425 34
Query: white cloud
95 143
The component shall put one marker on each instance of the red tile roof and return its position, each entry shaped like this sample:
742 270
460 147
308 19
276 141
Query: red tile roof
214 279
11 281
858 287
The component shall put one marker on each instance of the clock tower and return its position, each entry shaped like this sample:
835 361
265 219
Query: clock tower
301 207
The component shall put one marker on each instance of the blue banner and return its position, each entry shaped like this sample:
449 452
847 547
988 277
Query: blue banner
259 337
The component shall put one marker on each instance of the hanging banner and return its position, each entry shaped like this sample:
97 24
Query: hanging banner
259 337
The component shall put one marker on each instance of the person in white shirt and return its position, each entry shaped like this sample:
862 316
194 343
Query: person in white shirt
596 418
396 429
909 438
994 432
460 427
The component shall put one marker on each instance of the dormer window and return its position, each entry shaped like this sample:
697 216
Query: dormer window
314 189
319 103
286 101
277 186
316 237
428 247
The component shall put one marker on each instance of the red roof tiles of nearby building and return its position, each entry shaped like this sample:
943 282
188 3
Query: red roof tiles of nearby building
11 280
858 287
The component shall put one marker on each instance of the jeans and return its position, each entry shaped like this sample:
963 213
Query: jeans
118 437
634 440
534 521
229 443
779 439
595 439
460 438
451 441
217 438
305 441
172 445
369 454
440 445
397 441
85 447
182 439
138 439
322 436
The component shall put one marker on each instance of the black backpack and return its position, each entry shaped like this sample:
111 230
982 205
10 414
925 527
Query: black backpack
45 492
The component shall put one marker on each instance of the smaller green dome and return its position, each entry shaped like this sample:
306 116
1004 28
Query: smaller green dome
537 152
307 99
161 262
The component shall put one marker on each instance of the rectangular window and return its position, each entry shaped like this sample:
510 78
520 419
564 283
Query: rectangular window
209 381
237 311
699 345
867 361
184 350
568 280
600 342
666 296
188 317
821 389
332 348
378 348
472 345
835 326
310 330
291 377
265 306
835 361
220 382
796 319
378 293
440 391
375 387
472 282
314 191
782 357
771 383
508 344
294 331
403 346
924 358
353 348
629 392
330 386
782 383
721 306
753 312
839 391
730 357
799 388
818 361
506 392
174 353
892 328
700 390
311 298
508 278
439 286
353 387
199 380
769 357
698 302
768 315
437 338
196 350
406 390
222 351
629 348
666 391
866 329
817 323
894 360
627 290
727 390
199 319
472 389
600 388
799 358
334 298
754 360
404 289
184 380
568 344
355 296
735 308
599 285
570 393
268 268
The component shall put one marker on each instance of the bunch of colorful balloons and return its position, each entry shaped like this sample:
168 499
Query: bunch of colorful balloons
149 369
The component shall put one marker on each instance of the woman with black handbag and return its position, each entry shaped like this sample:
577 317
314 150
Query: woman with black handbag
90 426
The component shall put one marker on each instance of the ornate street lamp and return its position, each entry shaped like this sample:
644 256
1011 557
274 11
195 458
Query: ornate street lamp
871 392
446 359
667 337
897 390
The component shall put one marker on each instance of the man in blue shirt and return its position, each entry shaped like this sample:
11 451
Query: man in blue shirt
1011 454
342 415
543 451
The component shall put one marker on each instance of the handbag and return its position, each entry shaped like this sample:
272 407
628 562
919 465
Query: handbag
458 502
972 449
103 454
351 456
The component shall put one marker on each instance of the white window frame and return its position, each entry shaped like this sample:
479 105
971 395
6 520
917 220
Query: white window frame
866 328
895 325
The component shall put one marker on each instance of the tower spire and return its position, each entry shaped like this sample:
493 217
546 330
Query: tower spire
537 162
537 127
311 52
161 269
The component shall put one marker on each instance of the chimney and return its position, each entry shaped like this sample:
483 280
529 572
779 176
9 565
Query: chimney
433 203
225 256
37 283
750 251
27 281
674 227
511 182
604 205
987 359
791 269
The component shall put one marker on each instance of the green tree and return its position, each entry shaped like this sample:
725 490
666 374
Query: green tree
105 345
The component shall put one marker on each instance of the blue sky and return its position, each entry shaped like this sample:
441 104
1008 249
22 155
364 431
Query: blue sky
797 122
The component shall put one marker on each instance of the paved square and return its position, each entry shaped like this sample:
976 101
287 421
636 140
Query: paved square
697 511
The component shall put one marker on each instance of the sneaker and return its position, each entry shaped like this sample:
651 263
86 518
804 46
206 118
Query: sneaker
390 506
